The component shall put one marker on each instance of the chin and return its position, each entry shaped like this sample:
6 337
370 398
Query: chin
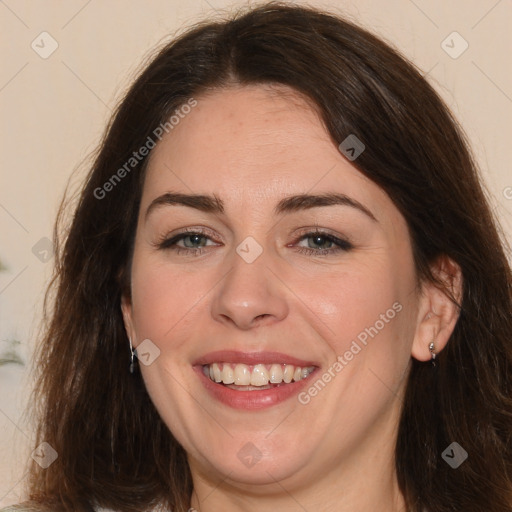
259 463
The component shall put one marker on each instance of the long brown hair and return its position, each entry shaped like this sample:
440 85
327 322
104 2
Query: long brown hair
113 448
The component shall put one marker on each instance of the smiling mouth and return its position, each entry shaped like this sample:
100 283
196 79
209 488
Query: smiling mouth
257 377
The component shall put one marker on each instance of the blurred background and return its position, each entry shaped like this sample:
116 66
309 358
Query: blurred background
67 63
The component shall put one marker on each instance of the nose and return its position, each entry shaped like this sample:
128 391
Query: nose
250 295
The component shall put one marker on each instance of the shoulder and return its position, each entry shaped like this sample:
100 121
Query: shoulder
24 507
19 508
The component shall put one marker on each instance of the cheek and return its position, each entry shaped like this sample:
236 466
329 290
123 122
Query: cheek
349 304
163 298
164 304
369 316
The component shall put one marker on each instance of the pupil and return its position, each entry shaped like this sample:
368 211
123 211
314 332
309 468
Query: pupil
318 240
195 239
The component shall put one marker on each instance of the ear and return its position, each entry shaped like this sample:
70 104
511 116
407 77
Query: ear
437 314
126 308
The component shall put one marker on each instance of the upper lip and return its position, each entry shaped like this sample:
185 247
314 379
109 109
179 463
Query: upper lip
249 358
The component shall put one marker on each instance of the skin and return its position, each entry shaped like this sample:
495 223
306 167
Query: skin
252 146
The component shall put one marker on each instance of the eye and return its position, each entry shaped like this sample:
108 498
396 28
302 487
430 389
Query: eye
195 238
193 242
323 244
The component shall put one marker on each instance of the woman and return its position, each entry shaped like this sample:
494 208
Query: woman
282 289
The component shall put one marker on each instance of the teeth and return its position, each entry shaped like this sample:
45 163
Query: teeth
259 376
228 376
216 373
256 376
242 375
276 374
289 370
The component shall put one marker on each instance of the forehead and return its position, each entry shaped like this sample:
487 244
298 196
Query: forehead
253 144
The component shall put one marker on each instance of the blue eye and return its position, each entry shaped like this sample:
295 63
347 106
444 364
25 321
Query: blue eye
195 238
190 240
195 242
329 244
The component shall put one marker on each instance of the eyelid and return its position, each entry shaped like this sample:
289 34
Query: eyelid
340 244
169 239
317 229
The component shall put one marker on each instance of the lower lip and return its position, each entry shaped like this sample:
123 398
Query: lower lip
251 400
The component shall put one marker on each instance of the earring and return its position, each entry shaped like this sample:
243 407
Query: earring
132 356
431 348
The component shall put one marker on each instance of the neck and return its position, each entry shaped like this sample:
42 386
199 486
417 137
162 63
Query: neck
362 477
367 499
365 481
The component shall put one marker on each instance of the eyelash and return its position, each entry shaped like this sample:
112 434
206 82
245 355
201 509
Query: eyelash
341 245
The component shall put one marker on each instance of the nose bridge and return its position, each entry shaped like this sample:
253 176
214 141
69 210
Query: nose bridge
249 294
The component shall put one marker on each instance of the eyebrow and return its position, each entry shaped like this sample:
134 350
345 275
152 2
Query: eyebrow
213 204
204 203
306 201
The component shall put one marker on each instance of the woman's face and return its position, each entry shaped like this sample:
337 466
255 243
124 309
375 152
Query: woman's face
294 285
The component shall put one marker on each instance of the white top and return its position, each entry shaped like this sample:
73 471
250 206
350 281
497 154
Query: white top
23 508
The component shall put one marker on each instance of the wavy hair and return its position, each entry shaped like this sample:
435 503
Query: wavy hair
113 448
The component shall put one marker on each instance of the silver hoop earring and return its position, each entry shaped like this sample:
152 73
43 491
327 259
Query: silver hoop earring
132 356
432 353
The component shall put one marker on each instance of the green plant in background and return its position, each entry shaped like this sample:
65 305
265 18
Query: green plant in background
10 354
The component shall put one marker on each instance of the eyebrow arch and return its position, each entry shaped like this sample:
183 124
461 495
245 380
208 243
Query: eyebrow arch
204 203
306 201
213 204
